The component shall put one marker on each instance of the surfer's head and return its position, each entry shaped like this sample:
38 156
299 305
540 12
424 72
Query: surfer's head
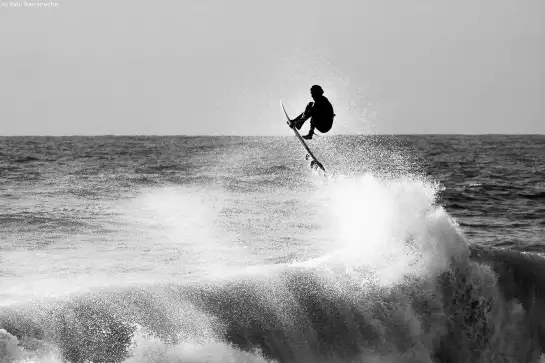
316 91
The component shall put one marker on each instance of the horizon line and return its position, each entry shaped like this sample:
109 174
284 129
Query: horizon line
274 135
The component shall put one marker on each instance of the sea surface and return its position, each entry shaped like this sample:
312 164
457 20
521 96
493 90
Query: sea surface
232 249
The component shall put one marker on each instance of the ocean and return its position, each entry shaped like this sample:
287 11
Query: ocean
232 249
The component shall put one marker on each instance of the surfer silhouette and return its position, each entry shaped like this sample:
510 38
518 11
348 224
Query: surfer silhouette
320 113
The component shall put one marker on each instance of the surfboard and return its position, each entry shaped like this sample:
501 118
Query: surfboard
314 162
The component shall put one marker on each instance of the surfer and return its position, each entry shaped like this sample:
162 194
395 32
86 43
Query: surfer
320 113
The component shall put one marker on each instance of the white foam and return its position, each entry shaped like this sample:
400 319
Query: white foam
150 350
390 227
11 351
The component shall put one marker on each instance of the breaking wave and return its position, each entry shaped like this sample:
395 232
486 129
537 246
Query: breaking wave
399 283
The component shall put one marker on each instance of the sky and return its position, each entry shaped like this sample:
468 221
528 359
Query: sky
220 67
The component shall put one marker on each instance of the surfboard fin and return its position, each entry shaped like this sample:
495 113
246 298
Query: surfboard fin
317 165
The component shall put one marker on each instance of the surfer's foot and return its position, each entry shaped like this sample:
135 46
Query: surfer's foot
308 136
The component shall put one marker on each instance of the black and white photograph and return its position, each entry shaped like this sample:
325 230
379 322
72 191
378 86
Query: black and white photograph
258 181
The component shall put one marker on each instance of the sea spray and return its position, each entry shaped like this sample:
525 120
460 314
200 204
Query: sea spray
390 227
396 285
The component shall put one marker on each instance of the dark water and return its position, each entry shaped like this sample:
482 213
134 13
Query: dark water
194 249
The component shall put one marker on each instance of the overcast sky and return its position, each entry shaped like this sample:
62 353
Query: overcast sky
220 67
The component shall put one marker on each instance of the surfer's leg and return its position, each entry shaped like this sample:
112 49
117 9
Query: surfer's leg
311 131
300 120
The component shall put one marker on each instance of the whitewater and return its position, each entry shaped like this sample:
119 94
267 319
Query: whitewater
231 249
